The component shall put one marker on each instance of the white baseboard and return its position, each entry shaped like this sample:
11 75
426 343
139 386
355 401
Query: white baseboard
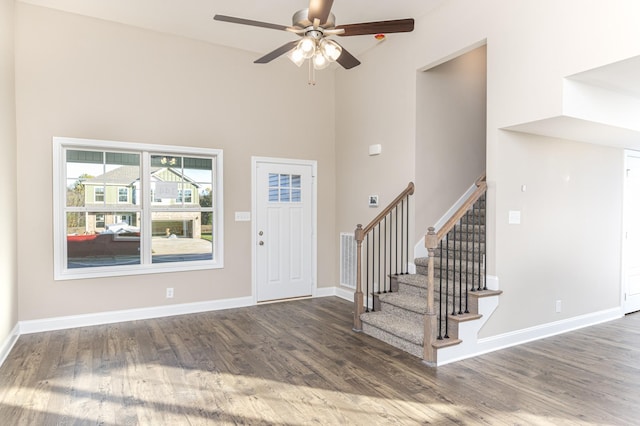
325 292
519 337
493 283
61 323
8 344
74 321
344 293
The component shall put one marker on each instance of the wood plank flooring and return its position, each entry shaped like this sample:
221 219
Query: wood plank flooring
299 363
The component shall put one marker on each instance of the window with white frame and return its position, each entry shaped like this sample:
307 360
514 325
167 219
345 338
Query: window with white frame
125 208
99 221
98 194
185 196
123 195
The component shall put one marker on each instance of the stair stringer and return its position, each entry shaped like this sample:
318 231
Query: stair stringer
468 331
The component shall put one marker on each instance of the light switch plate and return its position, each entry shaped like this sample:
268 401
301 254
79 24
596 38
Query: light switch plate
514 217
243 216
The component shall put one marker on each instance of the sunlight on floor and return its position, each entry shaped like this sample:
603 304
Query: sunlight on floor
208 395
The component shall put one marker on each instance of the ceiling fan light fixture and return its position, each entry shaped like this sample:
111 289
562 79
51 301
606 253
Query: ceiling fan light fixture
296 56
330 49
320 61
307 47
313 25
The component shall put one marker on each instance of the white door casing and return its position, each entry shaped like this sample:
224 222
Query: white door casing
631 237
284 244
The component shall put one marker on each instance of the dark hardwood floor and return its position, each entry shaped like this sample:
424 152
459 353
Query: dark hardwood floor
299 363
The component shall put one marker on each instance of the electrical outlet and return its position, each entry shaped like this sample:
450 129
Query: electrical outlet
558 305
169 292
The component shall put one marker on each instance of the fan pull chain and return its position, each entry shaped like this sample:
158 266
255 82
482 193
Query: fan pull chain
312 74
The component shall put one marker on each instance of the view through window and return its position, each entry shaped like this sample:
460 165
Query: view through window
127 207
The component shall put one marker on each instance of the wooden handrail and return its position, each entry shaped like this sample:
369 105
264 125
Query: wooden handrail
481 185
482 178
432 239
408 191
359 235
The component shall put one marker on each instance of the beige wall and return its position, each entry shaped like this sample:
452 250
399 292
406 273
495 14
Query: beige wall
451 108
81 77
375 104
568 245
8 265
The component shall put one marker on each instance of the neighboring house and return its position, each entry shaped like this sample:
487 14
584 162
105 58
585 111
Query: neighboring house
121 187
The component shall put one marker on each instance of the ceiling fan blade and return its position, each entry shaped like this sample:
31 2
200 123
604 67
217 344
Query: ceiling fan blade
380 27
320 9
347 60
276 53
243 21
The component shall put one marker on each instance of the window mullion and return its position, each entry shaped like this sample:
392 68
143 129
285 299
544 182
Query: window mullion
145 204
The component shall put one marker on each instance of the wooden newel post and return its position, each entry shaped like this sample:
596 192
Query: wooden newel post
430 318
358 304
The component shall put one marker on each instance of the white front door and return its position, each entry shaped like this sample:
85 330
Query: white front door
632 233
284 231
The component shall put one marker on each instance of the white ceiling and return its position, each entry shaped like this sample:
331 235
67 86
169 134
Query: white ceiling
194 18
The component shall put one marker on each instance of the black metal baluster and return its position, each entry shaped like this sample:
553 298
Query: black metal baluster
484 223
385 254
466 268
460 253
366 295
407 239
373 261
446 306
454 270
397 257
379 252
479 260
402 238
473 249
440 311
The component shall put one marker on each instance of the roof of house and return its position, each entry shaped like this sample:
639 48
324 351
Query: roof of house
128 175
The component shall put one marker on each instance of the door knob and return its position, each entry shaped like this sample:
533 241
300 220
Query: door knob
261 243
261 233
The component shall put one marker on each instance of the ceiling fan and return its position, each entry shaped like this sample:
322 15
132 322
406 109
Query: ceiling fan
315 25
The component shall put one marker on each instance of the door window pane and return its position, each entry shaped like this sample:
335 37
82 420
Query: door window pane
284 188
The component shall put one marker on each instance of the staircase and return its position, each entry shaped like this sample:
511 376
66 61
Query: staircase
400 316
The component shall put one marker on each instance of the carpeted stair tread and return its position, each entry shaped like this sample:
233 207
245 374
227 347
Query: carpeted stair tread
421 261
400 327
405 301
399 317
416 280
